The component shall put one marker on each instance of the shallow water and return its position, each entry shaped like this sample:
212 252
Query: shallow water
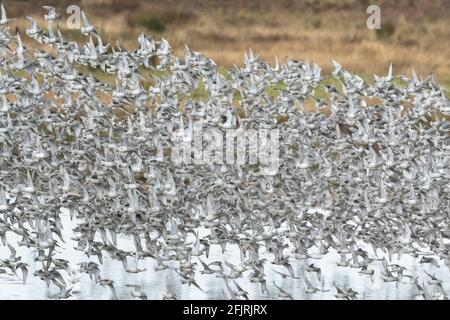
154 283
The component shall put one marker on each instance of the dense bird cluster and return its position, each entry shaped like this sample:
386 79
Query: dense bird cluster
366 175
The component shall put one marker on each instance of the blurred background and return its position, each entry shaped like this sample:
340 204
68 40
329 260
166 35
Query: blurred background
414 33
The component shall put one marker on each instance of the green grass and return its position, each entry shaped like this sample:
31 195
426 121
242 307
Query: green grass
151 23
445 84
272 91
275 89
97 73
200 93
158 21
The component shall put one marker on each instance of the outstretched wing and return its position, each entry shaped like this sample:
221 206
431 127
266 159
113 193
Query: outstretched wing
289 268
13 251
24 274
85 20
426 294
308 283
3 12
264 286
238 286
281 289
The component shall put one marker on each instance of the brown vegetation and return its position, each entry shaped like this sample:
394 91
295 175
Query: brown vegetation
415 33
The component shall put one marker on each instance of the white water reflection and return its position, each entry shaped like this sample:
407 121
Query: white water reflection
154 283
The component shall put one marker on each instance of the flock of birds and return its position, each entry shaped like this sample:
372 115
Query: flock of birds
366 175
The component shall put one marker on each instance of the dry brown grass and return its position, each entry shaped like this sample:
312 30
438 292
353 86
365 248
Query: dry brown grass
416 32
